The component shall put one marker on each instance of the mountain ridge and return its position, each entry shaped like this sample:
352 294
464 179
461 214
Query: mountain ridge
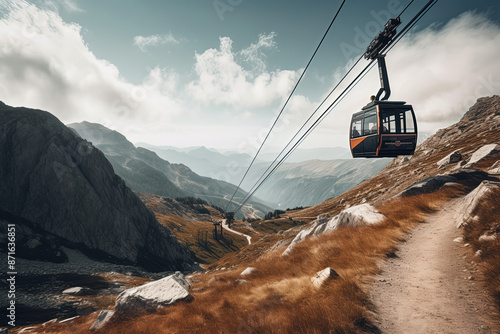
61 182
137 165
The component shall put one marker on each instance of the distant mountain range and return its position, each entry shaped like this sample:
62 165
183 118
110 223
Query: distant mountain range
296 183
144 171
311 182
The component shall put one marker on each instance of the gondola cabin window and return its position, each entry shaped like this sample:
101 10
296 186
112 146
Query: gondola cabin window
370 123
357 127
398 121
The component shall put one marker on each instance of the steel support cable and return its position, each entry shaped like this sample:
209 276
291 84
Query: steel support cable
396 39
410 25
408 5
318 120
286 103
296 134
307 121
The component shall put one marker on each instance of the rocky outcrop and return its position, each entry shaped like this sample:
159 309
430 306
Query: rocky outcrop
66 187
469 177
472 200
495 168
151 296
363 214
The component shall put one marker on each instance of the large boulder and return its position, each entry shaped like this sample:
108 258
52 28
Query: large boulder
67 188
153 295
363 214
472 200
495 168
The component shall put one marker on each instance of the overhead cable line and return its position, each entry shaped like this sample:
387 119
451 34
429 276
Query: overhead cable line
285 104
305 123
395 40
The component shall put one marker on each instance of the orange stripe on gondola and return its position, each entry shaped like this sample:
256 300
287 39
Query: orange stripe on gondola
355 142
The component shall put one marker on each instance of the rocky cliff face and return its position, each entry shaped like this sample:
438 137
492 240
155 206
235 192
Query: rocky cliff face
64 185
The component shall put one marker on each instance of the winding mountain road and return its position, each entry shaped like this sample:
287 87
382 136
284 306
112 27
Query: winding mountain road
224 225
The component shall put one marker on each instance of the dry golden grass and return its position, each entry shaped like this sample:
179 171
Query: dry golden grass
487 224
279 296
275 225
186 224
209 252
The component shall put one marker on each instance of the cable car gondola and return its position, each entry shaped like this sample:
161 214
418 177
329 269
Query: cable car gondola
383 128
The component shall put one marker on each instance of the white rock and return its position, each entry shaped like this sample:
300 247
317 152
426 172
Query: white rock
323 277
482 153
102 319
487 238
75 291
240 282
459 239
68 319
495 169
358 215
248 271
153 295
472 200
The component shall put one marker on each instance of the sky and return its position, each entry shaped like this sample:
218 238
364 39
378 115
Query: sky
216 73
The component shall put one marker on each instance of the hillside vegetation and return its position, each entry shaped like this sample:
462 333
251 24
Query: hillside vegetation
279 297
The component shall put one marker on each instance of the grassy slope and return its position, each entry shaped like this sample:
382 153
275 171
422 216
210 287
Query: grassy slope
279 297
185 224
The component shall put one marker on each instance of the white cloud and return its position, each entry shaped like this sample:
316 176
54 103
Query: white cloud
45 63
71 6
222 81
143 42
254 54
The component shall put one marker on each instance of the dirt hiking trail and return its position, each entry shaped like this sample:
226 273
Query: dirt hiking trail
432 285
